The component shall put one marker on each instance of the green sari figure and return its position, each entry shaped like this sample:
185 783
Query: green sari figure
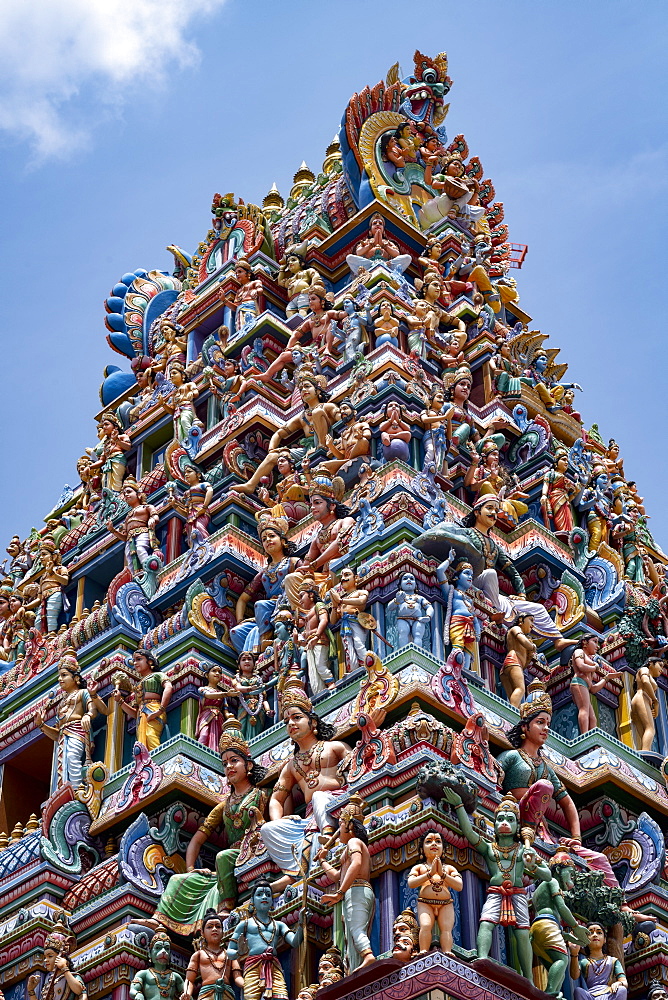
187 897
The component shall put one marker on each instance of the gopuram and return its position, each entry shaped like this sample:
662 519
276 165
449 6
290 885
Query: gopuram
341 673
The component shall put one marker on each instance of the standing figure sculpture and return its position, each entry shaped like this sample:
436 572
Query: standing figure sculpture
110 451
297 278
462 627
316 639
508 861
435 905
587 663
414 612
158 982
313 769
213 708
354 889
71 732
521 651
188 897
644 702
602 973
558 491
53 578
210 964
61 982
547 938
193 505
251 696
348 606
255 942
152 694
244 299
181 403
142 548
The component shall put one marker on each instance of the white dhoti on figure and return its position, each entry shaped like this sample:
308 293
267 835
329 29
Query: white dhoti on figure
280 836
359 904
319 674
543 624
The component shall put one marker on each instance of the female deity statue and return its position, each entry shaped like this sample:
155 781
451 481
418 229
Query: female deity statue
227 389
213 708
395 433
558 491
527 775
111 460
434 419
435 880
61 982
253 705
71 732
459 423
644 702
597 503
419 321
586 664
291 491
255 632
188 897
603 975
210 965
152 695
414 612
181 402
193 505
490 479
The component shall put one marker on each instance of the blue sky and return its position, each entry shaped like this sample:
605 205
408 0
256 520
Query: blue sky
119 122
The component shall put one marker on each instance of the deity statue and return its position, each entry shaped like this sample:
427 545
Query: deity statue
110 452
459 197
596 502
244 299
213 707
181 402
227 389
434 419
193 505
188 897
142 548
315 421
488 478
462 627
473 539
526 773
312 768
435 880
158 982
16 626
210 965
336 527
151 696
377 247
538 375
547 939
53 578
611 460
354 890
558 491
291 491
395 433
414 612
353 444
602 973
353 330
255 942
61 982
587 663
315 638
348 606
476 268
173 344
71 732
274 581
459 426
521 650
251 695
645 703
386 324
508 860
294 275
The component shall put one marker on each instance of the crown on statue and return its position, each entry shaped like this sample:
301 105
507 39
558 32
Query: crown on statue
294 696
268 522
307 374
354 809
331 489
537 700
60 939
231 739
509 804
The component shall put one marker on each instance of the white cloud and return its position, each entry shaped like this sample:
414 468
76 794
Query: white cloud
57 55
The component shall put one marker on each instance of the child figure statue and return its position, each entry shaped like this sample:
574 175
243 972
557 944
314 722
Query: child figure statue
211 964
507 860
255 941
435 880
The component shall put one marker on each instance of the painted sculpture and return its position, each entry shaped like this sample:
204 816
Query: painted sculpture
159 980
151 696
436 881
71 732
210 965
61 982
